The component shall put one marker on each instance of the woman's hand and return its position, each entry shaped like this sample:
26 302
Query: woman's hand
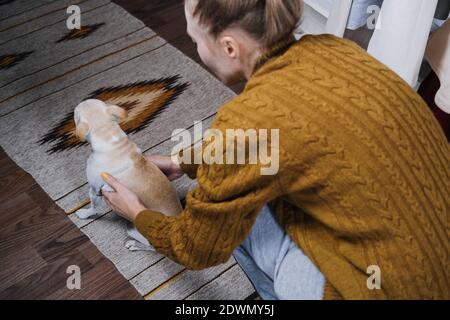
167 166
123 201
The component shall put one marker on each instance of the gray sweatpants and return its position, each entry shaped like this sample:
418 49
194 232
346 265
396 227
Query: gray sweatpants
276 266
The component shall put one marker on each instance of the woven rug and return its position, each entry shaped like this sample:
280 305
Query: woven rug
46 70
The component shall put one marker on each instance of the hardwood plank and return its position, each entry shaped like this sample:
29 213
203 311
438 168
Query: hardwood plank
13 180
24 256
24 221
38 242
45 280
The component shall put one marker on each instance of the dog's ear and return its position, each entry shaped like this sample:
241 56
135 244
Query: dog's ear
82 131
117 112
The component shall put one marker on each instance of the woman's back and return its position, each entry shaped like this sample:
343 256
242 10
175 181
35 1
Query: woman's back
363 158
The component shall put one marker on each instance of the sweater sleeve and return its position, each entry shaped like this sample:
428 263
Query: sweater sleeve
217 217
188 168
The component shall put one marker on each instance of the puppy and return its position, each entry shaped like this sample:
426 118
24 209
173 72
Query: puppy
112 152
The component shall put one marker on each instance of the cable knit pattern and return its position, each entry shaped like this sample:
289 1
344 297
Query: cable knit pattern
364 176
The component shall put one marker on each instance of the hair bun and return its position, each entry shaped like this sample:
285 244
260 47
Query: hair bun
278 20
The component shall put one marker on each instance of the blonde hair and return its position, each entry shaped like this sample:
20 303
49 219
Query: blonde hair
267 21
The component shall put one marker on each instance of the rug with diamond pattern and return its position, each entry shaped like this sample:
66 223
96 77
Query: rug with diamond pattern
46 70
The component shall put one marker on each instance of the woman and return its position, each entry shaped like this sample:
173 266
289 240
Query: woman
358 208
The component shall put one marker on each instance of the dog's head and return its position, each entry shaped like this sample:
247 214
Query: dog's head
92 113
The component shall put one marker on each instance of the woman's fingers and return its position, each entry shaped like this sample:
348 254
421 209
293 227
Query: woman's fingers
108 196
167 166
111 181
123 201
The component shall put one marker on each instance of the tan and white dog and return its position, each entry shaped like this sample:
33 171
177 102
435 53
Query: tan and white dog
112 152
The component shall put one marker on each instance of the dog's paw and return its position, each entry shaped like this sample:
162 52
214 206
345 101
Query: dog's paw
85 213
134 245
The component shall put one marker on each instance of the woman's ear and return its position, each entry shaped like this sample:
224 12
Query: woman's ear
230 47
117 112
82 130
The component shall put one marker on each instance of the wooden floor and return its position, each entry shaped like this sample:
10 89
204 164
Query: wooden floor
37 240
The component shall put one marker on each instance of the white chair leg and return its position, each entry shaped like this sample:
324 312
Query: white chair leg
402 36
325 16
337 20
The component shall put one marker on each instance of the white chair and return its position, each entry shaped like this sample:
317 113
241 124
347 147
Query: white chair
400 39
325 16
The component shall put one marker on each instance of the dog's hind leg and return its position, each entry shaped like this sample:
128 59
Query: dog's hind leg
140 243
91 211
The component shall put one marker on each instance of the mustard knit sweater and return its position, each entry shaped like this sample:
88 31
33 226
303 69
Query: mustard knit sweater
364 176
